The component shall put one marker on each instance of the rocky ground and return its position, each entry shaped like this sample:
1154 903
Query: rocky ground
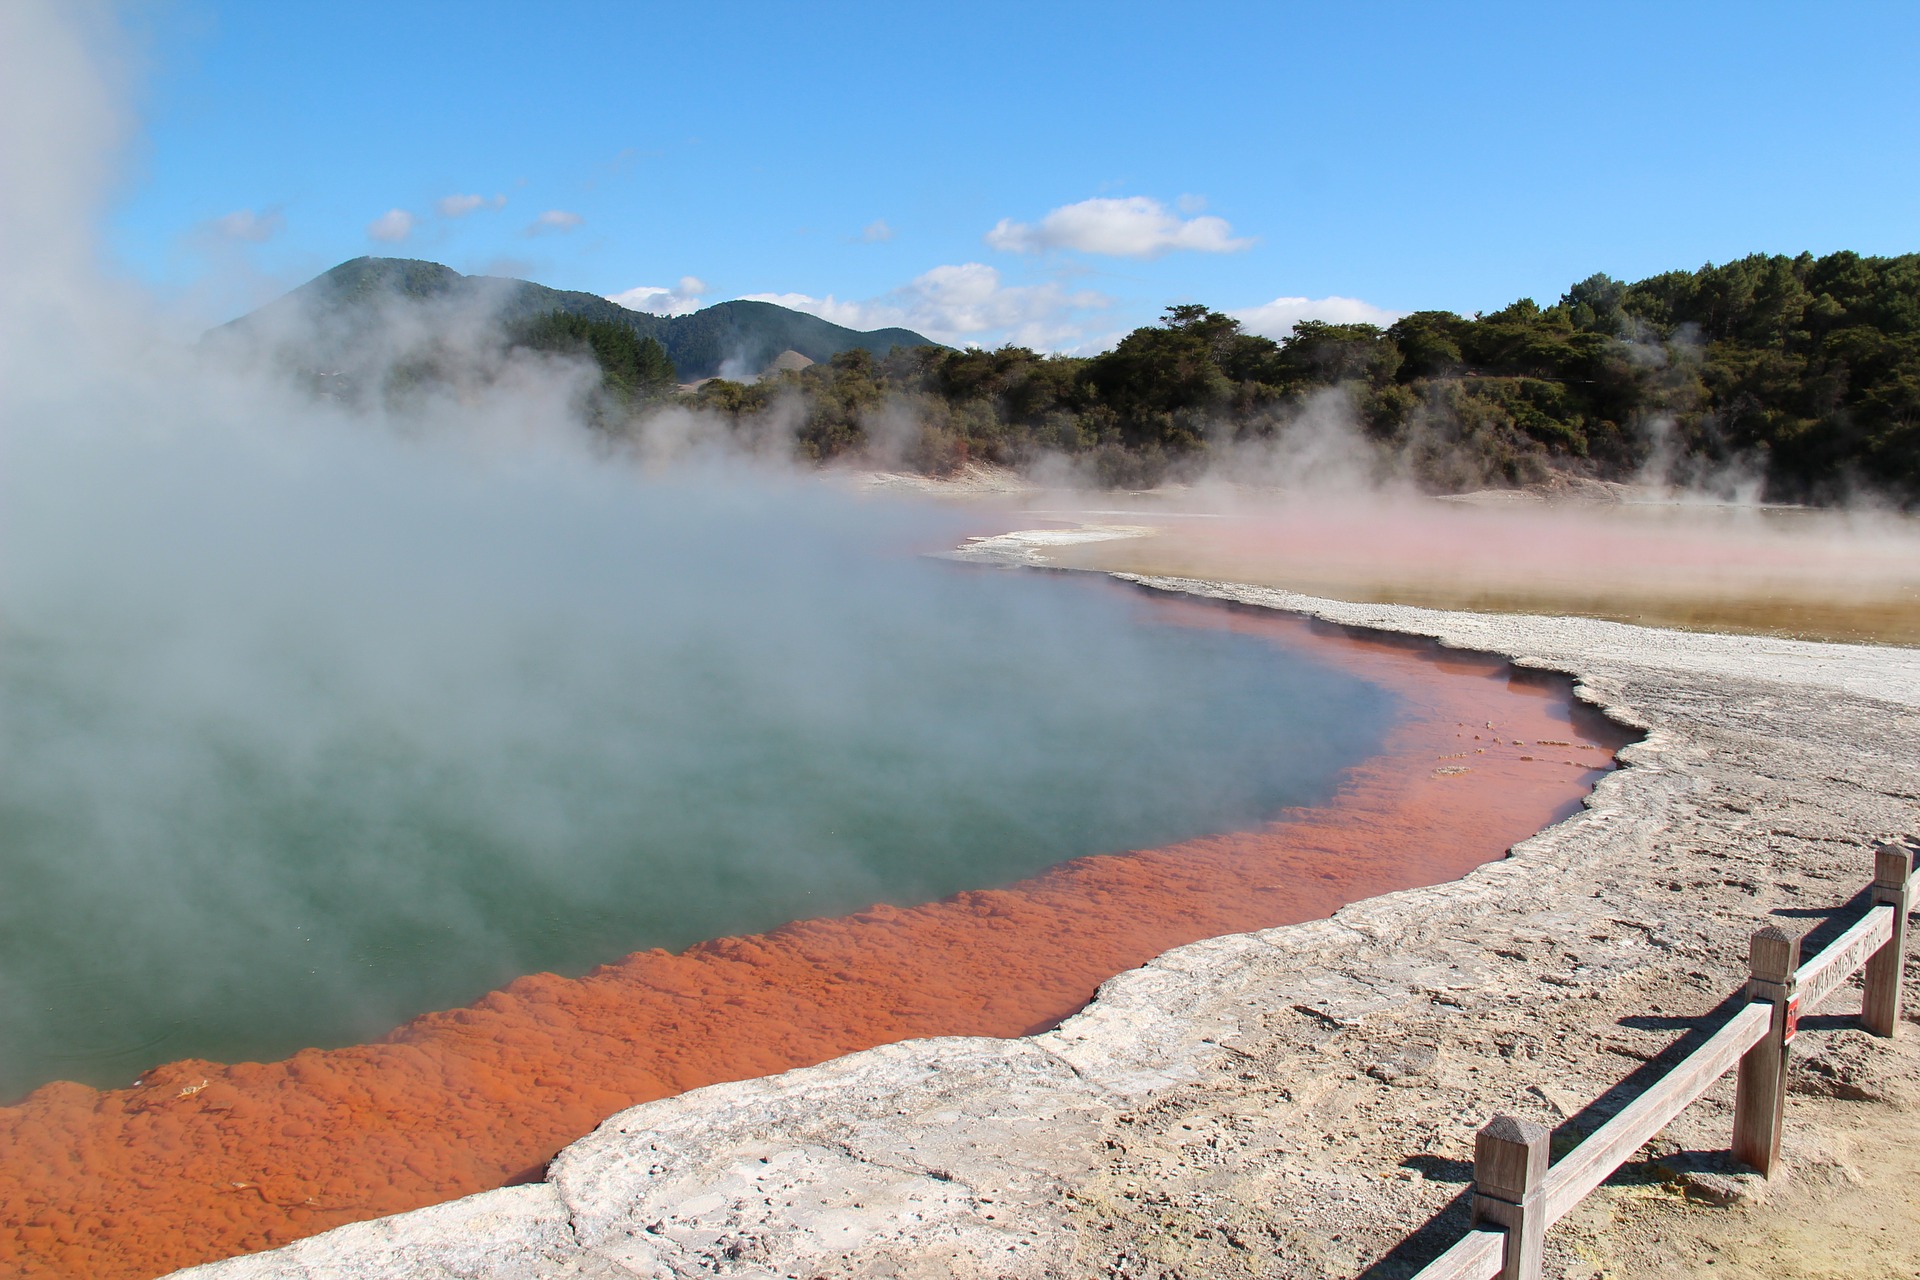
1302 1102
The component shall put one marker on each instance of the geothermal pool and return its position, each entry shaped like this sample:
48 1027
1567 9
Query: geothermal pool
282 857
275 793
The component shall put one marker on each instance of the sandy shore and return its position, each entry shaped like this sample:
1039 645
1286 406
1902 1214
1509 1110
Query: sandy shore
1301 1101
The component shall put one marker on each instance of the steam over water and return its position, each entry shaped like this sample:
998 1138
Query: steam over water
298 742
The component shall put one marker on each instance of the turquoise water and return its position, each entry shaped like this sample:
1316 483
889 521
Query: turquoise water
286 778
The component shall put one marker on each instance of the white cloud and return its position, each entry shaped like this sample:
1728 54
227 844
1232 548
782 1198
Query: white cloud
661 300
876 231
459 206
1121 227
1277 318
970 299
963 304
393 226
854 315
554 220
245 224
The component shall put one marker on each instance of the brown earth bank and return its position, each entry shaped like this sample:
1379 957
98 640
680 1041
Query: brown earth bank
202 1160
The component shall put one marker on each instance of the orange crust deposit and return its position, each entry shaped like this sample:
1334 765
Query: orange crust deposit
203 1160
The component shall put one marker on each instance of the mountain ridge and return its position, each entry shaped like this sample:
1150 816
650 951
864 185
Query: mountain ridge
740 338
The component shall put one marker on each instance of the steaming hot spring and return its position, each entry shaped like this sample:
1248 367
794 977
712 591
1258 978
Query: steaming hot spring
303 744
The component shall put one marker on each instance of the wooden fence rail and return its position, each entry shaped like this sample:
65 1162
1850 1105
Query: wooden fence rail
1518 1195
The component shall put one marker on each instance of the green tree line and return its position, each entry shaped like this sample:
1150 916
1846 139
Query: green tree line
634 370
1803 370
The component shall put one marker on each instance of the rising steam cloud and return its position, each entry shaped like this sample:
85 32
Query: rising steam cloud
314 716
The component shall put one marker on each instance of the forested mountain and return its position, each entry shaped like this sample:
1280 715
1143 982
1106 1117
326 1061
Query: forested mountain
1800 376
332 312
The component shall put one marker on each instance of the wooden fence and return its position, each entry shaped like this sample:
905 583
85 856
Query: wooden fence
1517 1196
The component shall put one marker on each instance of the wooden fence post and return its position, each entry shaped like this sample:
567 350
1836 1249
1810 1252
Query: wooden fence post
1510 1159
1892 872
1760 1104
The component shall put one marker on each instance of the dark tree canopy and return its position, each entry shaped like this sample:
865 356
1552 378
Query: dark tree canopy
1804 371
631 367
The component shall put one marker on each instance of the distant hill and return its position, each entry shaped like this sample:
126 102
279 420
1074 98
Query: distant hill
339 306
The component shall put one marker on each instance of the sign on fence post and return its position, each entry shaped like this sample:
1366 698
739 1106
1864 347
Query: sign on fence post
1509 1161
1760 1105
1892 879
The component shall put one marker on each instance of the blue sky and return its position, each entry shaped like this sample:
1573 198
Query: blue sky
1047 173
